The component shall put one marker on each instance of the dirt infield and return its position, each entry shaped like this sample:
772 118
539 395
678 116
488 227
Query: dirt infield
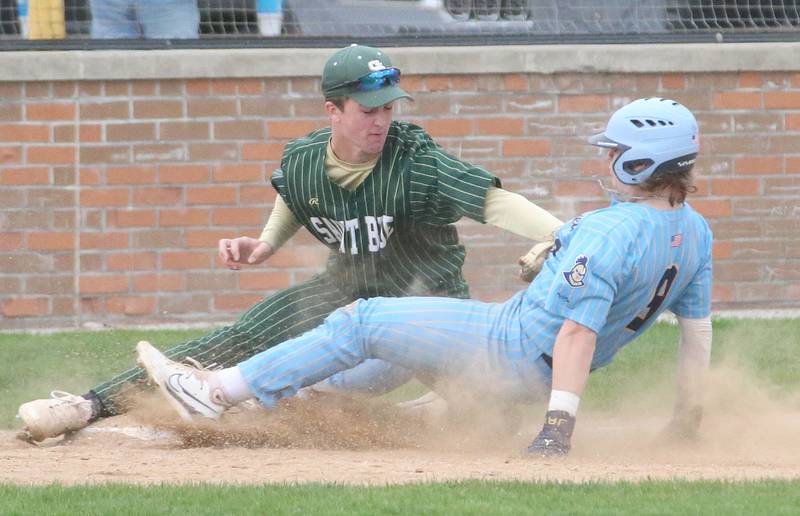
745 436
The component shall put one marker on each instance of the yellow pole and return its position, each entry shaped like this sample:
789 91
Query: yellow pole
46 19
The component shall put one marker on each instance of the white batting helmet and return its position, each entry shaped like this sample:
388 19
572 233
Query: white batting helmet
654 136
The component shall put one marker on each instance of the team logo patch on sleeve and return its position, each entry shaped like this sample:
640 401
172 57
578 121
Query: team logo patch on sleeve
575 275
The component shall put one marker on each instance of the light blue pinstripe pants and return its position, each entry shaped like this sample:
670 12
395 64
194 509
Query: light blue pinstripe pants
439 337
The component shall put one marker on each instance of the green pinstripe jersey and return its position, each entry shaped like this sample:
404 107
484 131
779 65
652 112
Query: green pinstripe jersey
394 234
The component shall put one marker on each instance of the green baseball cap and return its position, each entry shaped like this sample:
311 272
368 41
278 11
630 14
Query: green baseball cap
364 74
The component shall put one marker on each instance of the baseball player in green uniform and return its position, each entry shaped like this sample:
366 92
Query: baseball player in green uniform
380 194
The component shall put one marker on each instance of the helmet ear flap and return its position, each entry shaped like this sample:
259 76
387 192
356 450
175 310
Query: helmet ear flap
683 163
627 168
635 166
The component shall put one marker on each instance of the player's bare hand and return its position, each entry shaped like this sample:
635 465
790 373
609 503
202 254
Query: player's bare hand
684 426
531 263
235 251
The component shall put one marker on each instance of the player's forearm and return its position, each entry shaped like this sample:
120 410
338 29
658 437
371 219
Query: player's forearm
515 213
280 226
694 357
572 357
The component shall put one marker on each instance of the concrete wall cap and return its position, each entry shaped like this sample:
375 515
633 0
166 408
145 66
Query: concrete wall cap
545 59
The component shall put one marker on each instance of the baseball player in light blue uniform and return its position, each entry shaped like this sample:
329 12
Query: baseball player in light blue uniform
610 274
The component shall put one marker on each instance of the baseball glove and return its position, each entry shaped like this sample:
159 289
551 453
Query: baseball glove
531 263
554 439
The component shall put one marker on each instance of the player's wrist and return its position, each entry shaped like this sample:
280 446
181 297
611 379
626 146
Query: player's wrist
564 401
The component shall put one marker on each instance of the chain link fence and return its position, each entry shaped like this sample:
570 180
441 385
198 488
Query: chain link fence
620 20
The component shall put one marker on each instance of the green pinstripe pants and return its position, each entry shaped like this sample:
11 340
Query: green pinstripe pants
277 318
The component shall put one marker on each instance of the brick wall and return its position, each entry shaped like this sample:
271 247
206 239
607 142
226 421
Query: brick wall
113 194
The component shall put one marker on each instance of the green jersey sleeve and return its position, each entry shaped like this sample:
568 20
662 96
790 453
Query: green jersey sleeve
444 188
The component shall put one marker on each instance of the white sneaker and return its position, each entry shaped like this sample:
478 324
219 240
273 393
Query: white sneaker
61 413
189 390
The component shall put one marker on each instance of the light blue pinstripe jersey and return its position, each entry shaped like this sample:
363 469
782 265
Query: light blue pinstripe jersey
615 270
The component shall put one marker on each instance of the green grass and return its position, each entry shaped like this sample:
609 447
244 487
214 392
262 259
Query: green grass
462 498
766 350
33 365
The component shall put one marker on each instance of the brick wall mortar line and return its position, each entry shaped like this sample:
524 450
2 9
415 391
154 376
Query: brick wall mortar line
76 272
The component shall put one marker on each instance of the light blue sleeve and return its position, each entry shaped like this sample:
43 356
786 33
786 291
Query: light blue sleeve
587 275
695 300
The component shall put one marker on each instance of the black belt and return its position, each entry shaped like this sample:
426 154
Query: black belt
549 361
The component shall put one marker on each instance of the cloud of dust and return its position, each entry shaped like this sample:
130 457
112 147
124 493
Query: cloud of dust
324 421
746 421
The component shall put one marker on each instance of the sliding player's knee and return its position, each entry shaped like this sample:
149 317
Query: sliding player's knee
344 319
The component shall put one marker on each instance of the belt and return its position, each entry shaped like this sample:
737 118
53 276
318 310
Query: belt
549 361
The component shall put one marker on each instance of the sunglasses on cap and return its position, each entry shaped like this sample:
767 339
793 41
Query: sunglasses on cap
376 80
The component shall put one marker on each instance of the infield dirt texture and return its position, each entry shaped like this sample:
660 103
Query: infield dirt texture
745 435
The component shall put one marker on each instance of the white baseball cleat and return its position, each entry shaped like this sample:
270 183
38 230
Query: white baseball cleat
189 390
61 413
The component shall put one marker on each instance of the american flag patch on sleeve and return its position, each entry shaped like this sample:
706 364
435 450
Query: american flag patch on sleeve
676 240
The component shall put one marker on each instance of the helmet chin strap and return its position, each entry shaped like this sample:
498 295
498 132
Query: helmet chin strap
618 196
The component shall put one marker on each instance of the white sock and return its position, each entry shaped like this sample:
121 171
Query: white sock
564 400
233 385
